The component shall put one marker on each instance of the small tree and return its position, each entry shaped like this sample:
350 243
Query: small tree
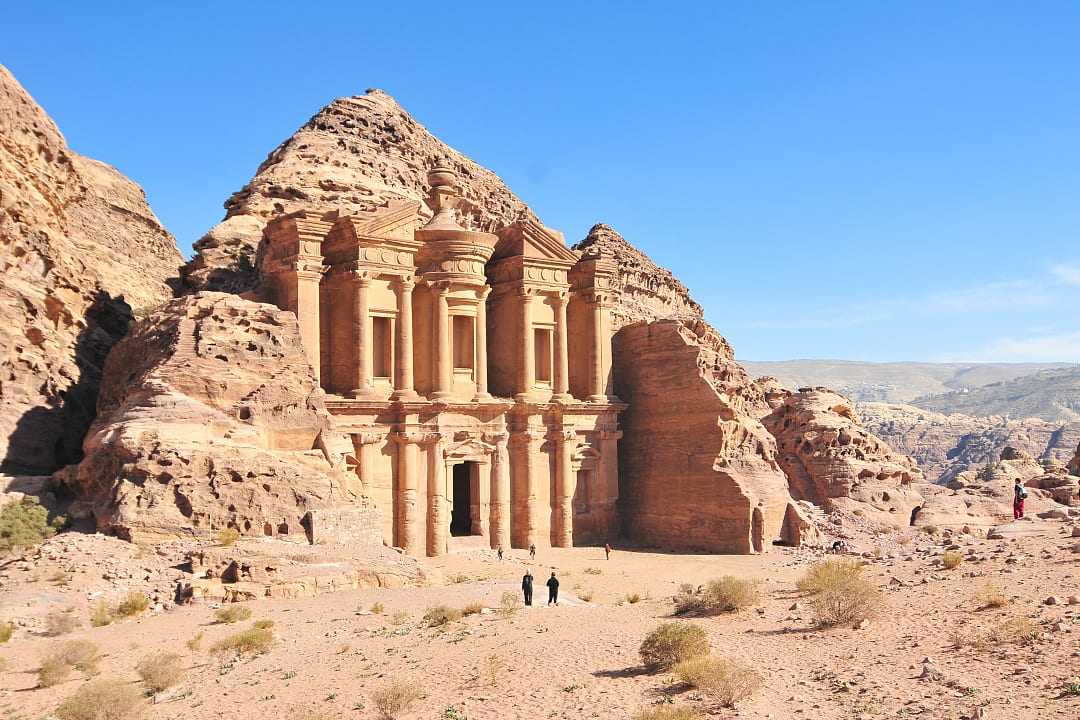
671 643
25 524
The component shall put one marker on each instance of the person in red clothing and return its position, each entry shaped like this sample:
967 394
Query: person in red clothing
1019 494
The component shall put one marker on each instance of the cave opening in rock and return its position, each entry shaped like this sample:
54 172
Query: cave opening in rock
461 510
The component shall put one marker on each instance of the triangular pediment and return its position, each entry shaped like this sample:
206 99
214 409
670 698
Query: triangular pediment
389 222
530 239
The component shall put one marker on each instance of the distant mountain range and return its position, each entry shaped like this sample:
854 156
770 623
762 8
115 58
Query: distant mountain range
951 383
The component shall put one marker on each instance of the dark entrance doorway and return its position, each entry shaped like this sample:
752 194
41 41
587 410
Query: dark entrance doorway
460 519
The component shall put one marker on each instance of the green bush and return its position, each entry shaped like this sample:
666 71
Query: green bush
671 643
227 536
255 641
727 594
231 614
133 604
25 524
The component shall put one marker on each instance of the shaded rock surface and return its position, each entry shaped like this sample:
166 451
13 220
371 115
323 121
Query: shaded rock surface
210 415
356 154
80 251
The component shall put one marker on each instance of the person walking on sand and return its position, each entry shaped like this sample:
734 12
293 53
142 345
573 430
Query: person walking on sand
500 552
553 589
607 550
532 551
1020 493
526 588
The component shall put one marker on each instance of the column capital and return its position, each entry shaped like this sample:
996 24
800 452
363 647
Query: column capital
362 278
405 282
524 437
610 434
440 287
408 437
496 438
561 298
483 292
526 293
367 438
563 435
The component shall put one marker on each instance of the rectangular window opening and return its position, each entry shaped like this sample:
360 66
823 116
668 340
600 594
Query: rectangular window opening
464 352
382 347
542 346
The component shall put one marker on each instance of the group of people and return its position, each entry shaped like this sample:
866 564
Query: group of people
552 582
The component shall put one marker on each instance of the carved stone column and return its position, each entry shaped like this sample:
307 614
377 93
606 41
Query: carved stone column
403 382
499 509
527 369
562 514
409 530
438 518
307 314
365 459
525 525
597 370
362 336
442 375
481 347
562 362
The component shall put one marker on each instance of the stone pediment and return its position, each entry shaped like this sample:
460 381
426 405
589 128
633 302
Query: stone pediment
469 448
531 240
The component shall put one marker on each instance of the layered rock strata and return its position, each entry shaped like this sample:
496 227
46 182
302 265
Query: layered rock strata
80 251
355 155
210 417
699 472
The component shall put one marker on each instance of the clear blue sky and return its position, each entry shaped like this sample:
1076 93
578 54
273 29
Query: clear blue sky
863 180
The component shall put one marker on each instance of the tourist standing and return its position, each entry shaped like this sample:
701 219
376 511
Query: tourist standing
1020 493
607 550
553 589
526 588
532 551
500 552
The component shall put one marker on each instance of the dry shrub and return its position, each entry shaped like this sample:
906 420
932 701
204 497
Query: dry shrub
395 699
952 559
103 700
231 613
848 600
472 609
161 671
61 622
195 643
79 655
991 596
458 578
1018 630
255 641
377 608
721 679
263 624
930 529
663 712
134 604
228 536
493 665
727 594
7 629
509 604
101 614
671 643
585 594
441 615
829 573
633 598
592 571
399 618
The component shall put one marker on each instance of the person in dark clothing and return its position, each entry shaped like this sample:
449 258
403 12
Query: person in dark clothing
526 588
532 552
1020 493
553 589
607 551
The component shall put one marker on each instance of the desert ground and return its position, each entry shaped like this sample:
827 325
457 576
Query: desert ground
331 652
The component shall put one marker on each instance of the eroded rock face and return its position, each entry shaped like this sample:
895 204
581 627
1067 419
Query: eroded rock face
210 414
698 471
646 291
79 251
946 445
356 154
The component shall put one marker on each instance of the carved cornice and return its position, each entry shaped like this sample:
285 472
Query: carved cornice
367 438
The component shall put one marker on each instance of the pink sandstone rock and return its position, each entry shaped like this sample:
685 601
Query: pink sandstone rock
80 251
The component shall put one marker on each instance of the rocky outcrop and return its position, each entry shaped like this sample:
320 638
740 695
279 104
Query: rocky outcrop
646 291
698 471
80 251
830 459
1074 464
356 154
946 445
210 416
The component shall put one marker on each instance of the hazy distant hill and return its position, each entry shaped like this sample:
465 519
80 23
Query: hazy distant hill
1052 395
899 382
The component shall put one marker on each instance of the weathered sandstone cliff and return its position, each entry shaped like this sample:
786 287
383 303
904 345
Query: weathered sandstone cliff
210 415
698 469
829 457
355 154
80 250
644 290
945 445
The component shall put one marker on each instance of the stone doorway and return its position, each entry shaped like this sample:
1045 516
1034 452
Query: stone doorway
463 490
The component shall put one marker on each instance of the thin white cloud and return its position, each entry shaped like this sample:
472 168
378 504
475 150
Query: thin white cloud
1060 347
1066 273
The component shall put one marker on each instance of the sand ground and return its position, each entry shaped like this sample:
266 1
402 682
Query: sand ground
580 659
